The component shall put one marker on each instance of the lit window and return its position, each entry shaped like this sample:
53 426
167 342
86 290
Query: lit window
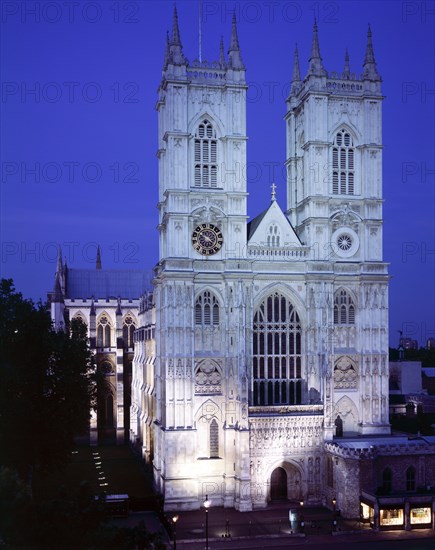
420 515
343 165
205 156
344 308
277 360
392 516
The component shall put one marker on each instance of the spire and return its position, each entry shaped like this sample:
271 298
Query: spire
59 275
222 61
175 47
118 307
346 71
176 40
296 76
316 66
370 71
92 310
235 58
98 261
166 58
59 267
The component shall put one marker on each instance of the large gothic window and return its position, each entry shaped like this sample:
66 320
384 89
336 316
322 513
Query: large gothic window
104 333
128 329
205 156
344 308
343 165
277 367
207 309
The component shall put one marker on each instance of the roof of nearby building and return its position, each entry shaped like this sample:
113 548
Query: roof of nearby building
377 441
127 284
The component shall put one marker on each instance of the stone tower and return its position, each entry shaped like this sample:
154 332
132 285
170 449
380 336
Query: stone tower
262 340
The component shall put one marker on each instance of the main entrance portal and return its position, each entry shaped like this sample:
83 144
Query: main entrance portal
278 484
285 483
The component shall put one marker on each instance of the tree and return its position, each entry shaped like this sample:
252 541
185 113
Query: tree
47 385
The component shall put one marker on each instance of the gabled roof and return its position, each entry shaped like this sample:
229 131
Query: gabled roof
127 284
258 227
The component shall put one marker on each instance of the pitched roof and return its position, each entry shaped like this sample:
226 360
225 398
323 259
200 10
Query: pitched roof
128 284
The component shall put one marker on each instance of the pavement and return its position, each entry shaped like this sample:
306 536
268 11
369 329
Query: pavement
270 528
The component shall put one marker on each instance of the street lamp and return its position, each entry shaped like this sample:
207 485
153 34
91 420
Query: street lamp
207 504
302 516
334 515
174 521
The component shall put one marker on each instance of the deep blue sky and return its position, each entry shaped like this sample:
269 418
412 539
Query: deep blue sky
96 67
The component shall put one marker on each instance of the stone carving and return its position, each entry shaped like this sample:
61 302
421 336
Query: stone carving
208 379
345 374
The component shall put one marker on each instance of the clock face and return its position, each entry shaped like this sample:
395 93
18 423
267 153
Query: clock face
207 239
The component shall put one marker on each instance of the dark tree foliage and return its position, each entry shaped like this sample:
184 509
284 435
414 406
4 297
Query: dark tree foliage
47 385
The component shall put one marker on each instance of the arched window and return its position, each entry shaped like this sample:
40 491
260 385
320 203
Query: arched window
273 236
410 479
387 480
344 308
207 309
104 339
79 317
343 166
214 439
205 156
277 359
128 329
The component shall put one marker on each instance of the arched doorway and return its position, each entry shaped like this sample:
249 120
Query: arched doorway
278 484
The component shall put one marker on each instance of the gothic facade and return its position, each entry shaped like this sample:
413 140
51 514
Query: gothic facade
259 362
264 339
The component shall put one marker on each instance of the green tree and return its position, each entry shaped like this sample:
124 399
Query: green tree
47 385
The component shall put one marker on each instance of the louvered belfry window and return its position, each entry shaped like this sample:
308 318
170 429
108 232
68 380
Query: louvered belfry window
344 308
205 156
343 165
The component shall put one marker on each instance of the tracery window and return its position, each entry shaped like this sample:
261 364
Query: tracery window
273 236
79 317
277 360
344 308
128 329
208 379
205 155
104 339
410 479
207 309
345 374
343 165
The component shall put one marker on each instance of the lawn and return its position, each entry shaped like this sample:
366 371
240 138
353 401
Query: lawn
122 471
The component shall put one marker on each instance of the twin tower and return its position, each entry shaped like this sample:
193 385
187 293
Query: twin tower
265 339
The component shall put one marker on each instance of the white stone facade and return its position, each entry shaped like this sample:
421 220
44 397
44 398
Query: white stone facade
262 341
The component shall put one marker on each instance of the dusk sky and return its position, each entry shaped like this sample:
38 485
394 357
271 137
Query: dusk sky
79 127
